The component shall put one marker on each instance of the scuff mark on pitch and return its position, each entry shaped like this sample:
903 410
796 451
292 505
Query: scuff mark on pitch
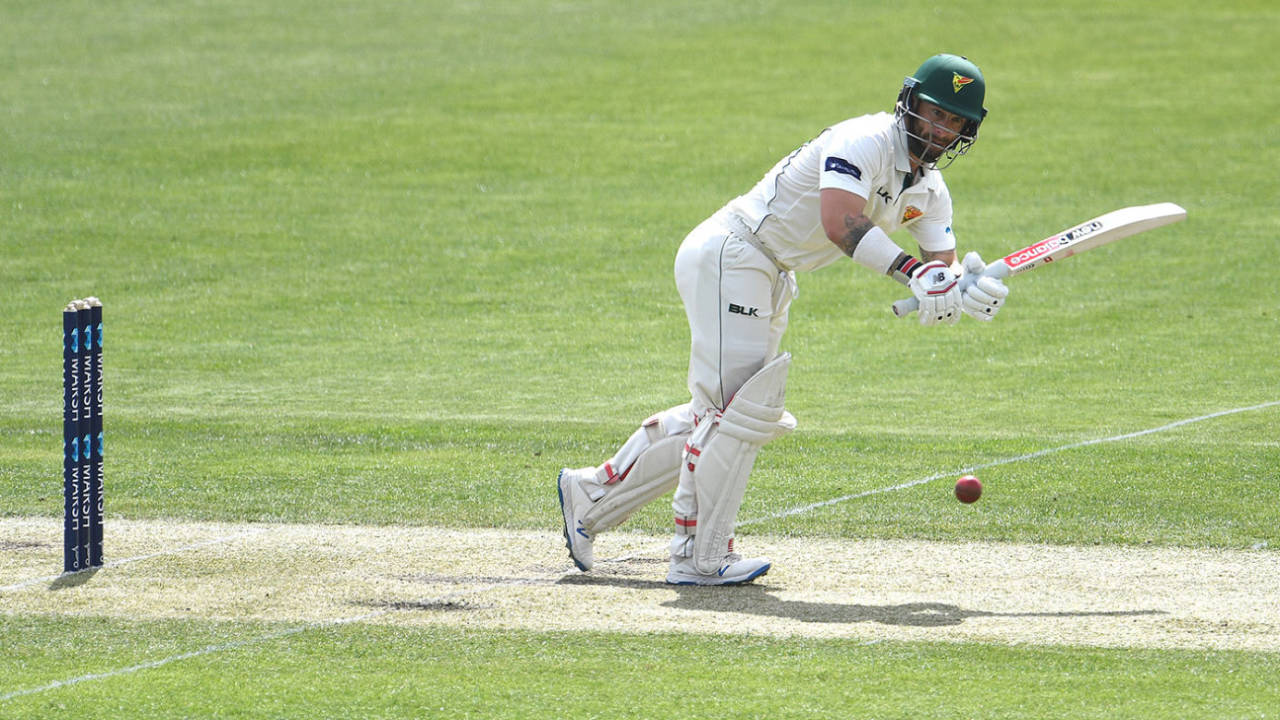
473 580
429 605
14 545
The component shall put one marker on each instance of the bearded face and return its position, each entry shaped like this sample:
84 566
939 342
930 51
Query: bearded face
932 131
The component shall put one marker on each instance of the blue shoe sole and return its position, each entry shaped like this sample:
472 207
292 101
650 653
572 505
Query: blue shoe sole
754 575
567 542
743 581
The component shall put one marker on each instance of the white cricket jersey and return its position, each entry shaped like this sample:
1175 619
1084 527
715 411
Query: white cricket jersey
865 155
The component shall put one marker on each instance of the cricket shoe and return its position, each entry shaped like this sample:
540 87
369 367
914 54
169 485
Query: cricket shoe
574 504
734 570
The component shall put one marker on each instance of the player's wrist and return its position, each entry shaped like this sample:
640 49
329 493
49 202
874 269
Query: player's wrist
905 267
878 252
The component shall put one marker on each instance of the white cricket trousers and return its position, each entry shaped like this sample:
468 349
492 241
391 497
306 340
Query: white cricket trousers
736 301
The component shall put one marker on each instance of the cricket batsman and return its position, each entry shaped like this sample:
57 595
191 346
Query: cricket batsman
838 196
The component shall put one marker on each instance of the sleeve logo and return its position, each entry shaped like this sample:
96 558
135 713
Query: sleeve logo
843 166
911 213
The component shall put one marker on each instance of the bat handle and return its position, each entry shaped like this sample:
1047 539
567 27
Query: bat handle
997 269
906 306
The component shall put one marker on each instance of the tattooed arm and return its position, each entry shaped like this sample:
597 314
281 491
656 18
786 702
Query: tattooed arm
842 218
854 233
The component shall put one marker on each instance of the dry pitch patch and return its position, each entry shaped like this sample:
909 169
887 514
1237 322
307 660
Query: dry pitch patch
861 590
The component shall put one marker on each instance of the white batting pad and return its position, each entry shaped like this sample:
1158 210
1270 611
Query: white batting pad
654 474
719 460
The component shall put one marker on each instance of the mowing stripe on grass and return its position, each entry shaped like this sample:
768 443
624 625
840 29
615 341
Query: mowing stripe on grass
209 650
995 463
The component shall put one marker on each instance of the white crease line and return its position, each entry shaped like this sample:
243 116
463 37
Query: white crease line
188 655
974 468
787 513
126 561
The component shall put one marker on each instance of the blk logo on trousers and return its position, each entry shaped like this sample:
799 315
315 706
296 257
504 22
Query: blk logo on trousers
749 312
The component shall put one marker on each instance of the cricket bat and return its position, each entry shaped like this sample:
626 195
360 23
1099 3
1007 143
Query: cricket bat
1088 235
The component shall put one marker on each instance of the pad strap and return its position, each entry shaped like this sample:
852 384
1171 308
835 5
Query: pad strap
653 475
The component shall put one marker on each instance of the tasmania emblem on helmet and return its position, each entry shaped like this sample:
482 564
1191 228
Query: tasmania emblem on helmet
958 81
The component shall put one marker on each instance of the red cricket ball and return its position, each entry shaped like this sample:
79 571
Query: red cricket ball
968 489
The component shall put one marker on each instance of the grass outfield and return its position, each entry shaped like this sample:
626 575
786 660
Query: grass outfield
396 264
394 673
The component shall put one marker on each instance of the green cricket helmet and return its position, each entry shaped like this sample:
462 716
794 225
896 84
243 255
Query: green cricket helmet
953 83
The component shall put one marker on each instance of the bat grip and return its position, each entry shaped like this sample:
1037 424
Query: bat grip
906 306
997 269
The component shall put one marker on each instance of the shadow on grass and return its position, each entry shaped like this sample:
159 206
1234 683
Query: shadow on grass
755 599
74 579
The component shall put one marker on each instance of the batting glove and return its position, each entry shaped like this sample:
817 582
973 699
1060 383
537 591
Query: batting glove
936 288
983 297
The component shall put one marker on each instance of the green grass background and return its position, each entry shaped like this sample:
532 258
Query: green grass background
398 262
380 672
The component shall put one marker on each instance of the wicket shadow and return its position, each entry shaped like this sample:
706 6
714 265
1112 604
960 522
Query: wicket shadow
755 599
74 579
